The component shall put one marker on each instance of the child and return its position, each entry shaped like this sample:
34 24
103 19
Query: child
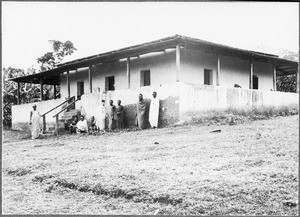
93 128
72 127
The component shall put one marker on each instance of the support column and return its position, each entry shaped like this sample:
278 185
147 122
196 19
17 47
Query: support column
41 84
68 84
19 94
128 72
297 80
274 78
251 75
218 71
177 63
90 79
54 91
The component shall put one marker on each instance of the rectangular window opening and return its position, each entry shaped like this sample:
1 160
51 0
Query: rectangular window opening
80 88
110 83
208 77
145 78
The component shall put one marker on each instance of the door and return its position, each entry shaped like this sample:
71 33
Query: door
80 89
110 83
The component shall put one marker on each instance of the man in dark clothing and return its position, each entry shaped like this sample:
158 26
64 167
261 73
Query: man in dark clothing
120 115
141 112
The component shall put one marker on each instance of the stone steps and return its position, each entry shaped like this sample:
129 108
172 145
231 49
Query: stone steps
63 122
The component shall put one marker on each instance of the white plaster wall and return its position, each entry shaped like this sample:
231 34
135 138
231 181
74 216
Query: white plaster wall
191 97
90 102
162 69
195 97
80 76
234 70
264 71
192 66
21 113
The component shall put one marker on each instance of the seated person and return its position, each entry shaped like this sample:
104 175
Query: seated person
72 126
93 128
81 125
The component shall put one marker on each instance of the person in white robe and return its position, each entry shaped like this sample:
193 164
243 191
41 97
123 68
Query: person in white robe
81 126
154 111
101 115
35 123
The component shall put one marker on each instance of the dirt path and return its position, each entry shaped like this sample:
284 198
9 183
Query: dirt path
244 169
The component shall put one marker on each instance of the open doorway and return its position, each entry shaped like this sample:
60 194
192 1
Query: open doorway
80 89
255 82
110 83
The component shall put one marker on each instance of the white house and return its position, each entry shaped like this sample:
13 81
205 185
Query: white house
172 65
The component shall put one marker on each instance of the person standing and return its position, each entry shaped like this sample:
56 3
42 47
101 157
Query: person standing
141 112
101 115
154 111
111 115
35 122
120 115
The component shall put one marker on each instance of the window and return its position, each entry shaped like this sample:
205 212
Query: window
110 83
145 78
255 82
80 88
208 77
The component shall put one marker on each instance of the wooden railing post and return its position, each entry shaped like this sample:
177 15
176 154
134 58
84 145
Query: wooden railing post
44 122
56 124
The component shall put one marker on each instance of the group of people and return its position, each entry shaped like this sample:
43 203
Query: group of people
112 116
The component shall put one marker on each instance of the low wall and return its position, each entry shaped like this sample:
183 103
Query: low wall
176 100
21 113
168 95
194 97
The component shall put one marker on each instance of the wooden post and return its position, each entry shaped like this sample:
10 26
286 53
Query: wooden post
297 79
177 63
56 125
90 78
128 72
41 84
274 78
68 84
251 75
44 122
54 91
19 94
218 71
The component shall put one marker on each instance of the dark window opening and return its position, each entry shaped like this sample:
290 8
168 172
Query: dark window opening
255 82
208 77
145 78
110 83
80 89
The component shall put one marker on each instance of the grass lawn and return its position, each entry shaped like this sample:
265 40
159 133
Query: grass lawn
246 169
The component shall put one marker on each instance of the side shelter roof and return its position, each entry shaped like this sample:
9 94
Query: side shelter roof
284 67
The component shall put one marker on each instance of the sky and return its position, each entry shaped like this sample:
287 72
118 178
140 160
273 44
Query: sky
97 27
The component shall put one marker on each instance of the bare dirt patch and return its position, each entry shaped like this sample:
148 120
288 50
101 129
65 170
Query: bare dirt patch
245 169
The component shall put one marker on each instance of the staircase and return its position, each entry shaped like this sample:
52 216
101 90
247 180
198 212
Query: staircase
65 119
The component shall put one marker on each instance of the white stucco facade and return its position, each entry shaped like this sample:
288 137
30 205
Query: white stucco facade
162 66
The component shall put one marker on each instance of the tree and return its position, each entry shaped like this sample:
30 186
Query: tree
28 92
287 83
51 59
31 92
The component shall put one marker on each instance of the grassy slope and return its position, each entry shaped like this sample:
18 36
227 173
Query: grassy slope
191 171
